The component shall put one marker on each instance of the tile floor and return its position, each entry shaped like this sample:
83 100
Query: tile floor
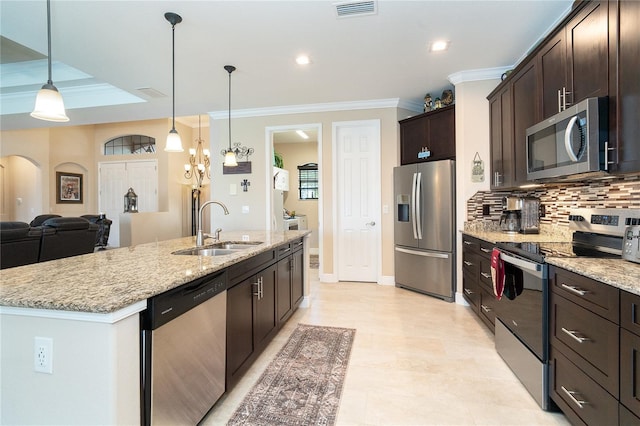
416 360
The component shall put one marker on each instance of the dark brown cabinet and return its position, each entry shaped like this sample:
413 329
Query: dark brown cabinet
630 353
624 84
433 131
512 111
290 279
574 62
586 376
476 279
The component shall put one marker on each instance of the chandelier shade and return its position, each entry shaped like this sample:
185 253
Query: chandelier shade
174 143
199 165
49 104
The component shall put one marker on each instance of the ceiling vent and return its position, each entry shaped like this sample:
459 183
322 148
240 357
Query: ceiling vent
151 92
355 8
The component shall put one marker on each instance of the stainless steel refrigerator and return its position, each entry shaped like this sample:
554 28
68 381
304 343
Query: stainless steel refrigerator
424 228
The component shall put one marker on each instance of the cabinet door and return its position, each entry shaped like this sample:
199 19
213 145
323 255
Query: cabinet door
283 305
501 140
524 88
239 325
441 134
297 278
552 66
588 53
630 371
265 306
624 101
413 132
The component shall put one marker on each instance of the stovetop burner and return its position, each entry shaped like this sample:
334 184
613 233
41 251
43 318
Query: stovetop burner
540 250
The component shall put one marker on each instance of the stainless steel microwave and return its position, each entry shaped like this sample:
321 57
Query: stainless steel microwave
572 143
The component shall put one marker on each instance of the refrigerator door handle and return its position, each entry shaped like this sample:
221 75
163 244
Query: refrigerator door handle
423 253
418 215
413 206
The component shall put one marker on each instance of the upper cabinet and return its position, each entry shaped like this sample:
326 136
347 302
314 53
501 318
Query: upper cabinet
428 136
280 179
624 98
593 53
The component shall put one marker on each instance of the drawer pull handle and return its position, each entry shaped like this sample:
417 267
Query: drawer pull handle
579 402
485 308
469 292
485 250
469 243
484 274
572 334
574 289
466 262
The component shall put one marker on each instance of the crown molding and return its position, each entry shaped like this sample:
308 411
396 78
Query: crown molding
310 108
477 75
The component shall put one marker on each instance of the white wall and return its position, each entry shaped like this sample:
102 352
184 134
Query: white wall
472 135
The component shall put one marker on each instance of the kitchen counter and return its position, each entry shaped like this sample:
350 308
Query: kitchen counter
111 280
615 272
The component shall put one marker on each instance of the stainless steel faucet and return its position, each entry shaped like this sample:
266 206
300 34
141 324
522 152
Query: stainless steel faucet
201 235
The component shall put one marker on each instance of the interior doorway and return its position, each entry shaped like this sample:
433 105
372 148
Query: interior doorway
289 140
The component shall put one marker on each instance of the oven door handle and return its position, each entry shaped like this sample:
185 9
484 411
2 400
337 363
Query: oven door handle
521 263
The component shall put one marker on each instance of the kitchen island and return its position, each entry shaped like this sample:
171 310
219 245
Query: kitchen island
89 307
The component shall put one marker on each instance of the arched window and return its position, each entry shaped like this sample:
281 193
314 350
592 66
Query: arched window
130 144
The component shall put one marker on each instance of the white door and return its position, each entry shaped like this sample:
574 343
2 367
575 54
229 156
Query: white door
357 148
115 179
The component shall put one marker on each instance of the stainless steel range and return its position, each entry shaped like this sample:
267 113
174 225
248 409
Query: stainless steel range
522 325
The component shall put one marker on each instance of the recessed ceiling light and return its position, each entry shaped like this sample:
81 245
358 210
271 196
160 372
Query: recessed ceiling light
439 45
303 60
302 134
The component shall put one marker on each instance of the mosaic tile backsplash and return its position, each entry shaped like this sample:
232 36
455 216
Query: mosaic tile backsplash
558 200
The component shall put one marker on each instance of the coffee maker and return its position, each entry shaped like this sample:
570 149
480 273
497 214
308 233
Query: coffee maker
530 216
510 218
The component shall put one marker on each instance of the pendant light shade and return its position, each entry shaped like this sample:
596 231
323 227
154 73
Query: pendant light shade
49 105
174 143
230 156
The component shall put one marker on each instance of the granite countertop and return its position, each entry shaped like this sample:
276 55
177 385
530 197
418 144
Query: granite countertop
615 272
110 280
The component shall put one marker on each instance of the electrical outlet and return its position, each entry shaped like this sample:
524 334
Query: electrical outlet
43 355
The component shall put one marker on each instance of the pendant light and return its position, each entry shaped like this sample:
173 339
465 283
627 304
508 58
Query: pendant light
49 104
230 155
174 143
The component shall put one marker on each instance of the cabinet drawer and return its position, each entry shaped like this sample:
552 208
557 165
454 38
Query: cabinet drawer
590 341
471 291
242 270
485 249
470 243
488 304
627 418
597 297
471 264
484 274
630 371
630 312
579 397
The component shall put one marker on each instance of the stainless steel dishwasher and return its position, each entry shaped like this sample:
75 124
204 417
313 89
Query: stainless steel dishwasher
183 352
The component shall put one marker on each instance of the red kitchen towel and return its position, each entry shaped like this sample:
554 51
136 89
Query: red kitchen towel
497 273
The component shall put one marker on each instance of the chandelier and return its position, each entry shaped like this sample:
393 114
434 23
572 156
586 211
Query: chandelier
199 162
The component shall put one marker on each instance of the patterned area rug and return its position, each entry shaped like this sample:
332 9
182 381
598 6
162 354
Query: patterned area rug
314 261
303 384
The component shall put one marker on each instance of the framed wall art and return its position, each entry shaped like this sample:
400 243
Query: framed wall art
68 188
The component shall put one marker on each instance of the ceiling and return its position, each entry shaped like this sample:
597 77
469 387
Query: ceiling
105 52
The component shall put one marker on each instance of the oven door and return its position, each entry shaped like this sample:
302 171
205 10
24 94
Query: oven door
523 306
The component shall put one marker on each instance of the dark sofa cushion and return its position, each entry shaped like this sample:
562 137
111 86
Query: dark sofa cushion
19 244
67 223
38 220
73 236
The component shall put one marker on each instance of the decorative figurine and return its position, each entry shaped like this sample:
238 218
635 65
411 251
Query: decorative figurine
428 103
447 97
438 104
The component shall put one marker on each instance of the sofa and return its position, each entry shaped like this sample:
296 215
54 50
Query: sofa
47 237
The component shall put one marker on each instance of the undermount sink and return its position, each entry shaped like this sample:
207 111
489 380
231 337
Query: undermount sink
218 249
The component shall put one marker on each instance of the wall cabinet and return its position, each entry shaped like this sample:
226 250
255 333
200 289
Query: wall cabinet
433 131
585 374
624 84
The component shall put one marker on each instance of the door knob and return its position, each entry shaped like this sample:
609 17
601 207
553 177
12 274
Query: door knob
372 223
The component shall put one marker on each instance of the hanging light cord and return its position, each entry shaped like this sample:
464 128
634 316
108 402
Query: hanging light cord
49 81
173 71
230 71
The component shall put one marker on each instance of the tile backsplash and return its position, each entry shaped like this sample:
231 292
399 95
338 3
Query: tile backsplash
559 199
